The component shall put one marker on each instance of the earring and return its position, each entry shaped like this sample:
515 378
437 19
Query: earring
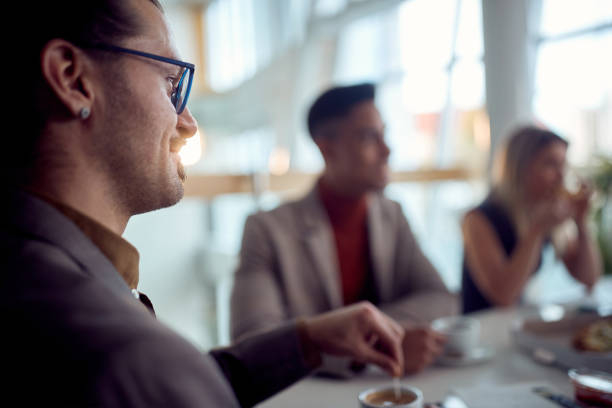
84 113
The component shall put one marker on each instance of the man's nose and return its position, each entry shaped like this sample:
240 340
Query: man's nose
384 148
187 124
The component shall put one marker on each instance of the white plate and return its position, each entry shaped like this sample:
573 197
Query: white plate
477 355
548 339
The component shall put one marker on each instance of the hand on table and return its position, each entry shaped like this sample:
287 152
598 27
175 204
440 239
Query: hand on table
359 331
421 346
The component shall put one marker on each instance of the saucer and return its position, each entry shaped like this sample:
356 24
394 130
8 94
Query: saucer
477 355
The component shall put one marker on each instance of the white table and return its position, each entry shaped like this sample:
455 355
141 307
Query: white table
508 366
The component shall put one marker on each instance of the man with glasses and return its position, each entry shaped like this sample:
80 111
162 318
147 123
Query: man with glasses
100 111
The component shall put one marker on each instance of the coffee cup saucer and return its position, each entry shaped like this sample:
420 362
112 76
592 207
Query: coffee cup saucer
476 355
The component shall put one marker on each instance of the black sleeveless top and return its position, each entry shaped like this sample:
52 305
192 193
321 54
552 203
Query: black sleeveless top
472 299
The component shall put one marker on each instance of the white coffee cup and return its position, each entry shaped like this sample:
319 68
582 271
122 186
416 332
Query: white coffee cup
462 332
366 399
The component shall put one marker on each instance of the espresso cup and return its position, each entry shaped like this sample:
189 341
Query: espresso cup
409 397
462 333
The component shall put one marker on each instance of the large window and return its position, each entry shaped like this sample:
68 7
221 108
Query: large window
573 96
243 36
573 82
427 58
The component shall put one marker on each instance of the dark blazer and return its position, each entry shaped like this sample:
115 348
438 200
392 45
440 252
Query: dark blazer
74 335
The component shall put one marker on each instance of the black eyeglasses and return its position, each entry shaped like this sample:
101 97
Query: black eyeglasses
182 88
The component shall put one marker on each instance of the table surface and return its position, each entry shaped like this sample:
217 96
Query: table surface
509 365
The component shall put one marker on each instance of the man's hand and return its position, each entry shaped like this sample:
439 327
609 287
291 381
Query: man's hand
421 346
359 331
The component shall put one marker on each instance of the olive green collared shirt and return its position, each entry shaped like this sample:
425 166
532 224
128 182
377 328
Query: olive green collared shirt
123 255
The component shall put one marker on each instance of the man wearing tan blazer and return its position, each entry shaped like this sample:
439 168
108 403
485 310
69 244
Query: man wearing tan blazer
343 242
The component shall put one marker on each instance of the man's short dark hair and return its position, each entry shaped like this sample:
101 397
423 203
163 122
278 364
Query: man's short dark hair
337 102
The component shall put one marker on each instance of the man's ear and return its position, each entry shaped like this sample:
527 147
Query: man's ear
63 67
326 139
326 146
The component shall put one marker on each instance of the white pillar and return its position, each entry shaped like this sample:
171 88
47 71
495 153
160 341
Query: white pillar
510 29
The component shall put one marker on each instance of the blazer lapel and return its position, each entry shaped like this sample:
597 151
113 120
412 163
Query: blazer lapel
49 224
318 237
382 247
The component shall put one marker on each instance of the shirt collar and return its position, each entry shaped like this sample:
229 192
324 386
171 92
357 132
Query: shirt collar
342 208
123 255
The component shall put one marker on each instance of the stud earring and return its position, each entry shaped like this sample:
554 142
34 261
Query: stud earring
84 113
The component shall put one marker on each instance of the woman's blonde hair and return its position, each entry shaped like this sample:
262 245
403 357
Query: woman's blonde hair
512 160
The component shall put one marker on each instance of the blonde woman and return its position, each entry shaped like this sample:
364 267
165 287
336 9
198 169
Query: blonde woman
504 236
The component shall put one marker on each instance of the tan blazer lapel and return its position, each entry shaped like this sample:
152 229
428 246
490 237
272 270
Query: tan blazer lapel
318 237
380 236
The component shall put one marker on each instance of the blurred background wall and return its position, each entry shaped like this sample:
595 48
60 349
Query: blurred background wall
453 76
